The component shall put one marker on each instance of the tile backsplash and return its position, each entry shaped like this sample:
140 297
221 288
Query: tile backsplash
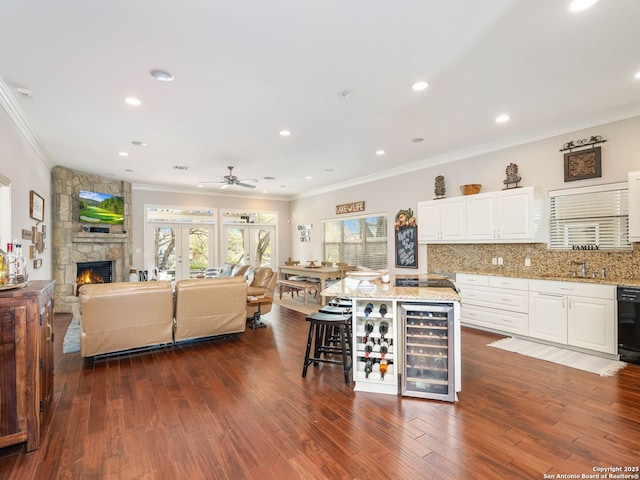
478 258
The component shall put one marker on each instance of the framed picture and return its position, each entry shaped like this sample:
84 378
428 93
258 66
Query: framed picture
33 252
36 207
37 263
582 164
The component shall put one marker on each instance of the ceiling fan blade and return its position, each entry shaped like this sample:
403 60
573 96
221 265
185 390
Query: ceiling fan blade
245 185
224 186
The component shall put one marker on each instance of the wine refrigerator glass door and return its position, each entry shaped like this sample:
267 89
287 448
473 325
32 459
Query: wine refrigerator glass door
428 351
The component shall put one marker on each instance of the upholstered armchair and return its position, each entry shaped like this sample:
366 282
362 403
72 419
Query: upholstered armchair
263 284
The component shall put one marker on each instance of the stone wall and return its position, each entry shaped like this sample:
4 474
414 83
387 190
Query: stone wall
70 244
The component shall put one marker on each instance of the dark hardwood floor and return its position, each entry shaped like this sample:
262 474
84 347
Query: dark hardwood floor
238 409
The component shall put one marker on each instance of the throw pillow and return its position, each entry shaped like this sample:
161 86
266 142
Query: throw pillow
249 277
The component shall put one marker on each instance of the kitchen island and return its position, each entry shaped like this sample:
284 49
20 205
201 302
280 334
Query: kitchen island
406 339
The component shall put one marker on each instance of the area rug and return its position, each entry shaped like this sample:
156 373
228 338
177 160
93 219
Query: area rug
297 302
71 342
581 361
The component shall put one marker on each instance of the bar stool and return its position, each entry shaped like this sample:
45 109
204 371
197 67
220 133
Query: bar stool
321 326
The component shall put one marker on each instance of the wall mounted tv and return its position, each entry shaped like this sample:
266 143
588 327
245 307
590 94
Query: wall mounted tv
100 208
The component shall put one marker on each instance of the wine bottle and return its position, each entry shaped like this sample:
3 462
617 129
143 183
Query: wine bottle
368 327
368 348
383 327
4 268
383 367
383 310
368 309
368 367
384 347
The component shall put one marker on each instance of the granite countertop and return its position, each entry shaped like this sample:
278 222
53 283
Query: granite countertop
560 278
348 287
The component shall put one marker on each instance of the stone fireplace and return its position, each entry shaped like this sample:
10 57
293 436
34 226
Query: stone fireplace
71 244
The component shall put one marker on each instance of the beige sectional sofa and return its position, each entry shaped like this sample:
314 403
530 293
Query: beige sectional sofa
210 306
123 316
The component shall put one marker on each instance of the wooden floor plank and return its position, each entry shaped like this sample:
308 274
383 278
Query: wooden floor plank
237 408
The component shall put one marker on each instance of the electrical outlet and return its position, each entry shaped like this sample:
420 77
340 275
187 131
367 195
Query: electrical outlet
527 262
500 261
494 261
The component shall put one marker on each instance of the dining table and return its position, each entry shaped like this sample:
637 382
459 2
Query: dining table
320 272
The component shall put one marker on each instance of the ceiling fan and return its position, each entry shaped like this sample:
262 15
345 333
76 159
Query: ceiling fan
231 179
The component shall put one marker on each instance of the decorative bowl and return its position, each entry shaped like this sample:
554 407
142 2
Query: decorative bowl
365 279
470 188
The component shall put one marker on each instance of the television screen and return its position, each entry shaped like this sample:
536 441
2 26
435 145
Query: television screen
94 207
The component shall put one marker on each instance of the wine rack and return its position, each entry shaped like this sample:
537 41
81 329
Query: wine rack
375 346
428 351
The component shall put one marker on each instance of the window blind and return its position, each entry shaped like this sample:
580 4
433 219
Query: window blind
592 218
356 241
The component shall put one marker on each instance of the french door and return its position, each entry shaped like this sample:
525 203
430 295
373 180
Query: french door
182 251
249 244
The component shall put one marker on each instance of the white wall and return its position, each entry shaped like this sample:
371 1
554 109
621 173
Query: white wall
26 171
540 163
141 196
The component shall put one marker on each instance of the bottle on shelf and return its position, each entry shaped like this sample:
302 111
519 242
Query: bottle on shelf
368 327
368 367
368 309
4 268
383 327
12 268
383 310
384 366
21 264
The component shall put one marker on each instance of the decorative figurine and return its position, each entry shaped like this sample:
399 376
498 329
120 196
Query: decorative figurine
405 218
440 187
512 176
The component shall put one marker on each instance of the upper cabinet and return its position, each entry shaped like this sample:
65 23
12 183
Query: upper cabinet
507 216
634 206
441 221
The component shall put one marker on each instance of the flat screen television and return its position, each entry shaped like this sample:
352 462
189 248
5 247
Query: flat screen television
100 208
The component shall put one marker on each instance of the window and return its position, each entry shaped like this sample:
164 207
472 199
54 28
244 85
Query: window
590 218
356 241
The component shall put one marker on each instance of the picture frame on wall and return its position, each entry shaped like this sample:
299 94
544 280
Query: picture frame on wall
582 164
36 206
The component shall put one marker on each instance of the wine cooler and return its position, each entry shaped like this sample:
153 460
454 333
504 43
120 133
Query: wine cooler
374 346
428 351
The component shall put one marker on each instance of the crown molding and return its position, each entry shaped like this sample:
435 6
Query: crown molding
199 191
611 116
16 114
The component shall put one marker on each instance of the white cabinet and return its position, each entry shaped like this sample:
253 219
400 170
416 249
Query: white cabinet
441 221
514 215
634 206
576 314
494 303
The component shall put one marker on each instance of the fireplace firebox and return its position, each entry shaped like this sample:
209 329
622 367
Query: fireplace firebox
93 272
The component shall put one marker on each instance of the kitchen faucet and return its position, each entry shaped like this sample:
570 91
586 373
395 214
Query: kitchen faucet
583 267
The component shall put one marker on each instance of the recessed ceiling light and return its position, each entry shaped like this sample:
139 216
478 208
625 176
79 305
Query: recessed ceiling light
380 152
285 133
344 93
308 177
123 154
132 101
161 75
417 140
579 5
328 169
420 86
637 75
200 185
180 167
503 118
138 143
128 170
269 178
265 192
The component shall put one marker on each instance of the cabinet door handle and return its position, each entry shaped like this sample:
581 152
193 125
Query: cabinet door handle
506 299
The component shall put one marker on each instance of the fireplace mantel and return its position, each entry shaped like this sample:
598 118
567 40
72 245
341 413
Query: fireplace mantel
92 237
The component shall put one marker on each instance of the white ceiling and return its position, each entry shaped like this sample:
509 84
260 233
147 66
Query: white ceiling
245 69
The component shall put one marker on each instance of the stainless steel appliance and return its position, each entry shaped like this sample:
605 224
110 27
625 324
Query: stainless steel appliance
428 332
629 323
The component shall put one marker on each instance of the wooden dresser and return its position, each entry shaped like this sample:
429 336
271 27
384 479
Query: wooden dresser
26 362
